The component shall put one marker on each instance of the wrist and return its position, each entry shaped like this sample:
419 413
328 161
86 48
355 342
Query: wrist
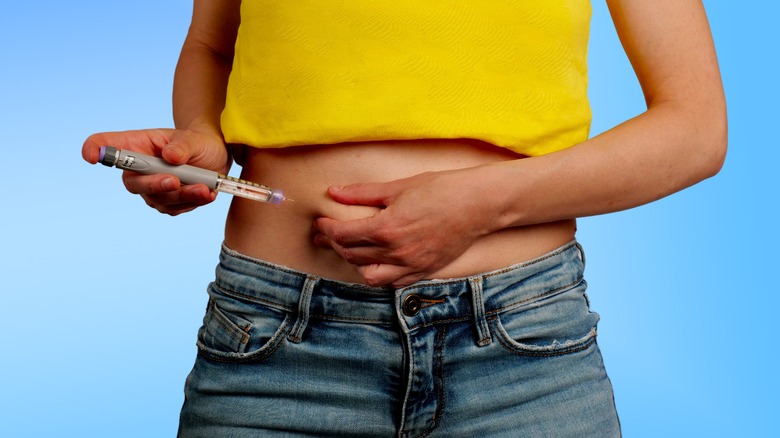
205 126
505 194
487 187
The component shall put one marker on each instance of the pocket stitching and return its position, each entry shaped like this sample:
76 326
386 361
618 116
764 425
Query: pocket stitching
514 347
232 328
264 352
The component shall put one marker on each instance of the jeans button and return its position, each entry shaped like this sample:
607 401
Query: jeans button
412 305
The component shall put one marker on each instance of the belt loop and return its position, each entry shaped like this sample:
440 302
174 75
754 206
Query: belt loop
478 306
303 309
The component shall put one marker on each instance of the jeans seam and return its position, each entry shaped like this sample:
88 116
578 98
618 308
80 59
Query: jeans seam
441 321
276 342
304 306
535 297
531 262
497 272
250 298
219 317
560 352
441 392
478 307
409 382
350 319
500 309
290 309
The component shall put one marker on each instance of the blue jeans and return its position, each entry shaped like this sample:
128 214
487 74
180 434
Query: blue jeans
507 353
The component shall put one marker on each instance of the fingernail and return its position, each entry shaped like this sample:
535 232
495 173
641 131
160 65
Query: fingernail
336 188
168 184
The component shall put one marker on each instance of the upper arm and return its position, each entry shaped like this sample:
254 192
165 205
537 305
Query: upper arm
205 62
214 26
670 47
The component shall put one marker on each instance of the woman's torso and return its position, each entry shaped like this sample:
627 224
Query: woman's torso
283 234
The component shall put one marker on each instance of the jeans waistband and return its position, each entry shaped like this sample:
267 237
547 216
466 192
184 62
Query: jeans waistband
418 305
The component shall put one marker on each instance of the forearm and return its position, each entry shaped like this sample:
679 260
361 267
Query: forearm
430 219
678 141
666 149
199 88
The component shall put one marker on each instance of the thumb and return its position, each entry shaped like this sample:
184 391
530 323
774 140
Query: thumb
373 194
177 151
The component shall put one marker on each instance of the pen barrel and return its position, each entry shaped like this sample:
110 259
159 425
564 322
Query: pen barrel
149 165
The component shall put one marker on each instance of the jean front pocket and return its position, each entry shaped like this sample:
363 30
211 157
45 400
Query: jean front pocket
551 325
236 329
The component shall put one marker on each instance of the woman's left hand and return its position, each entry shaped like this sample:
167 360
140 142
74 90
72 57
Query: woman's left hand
425 222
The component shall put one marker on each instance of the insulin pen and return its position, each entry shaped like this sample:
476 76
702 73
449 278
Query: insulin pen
141 163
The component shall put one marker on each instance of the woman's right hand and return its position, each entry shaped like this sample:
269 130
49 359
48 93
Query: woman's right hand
163 192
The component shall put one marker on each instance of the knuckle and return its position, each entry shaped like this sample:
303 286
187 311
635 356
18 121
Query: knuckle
338 237
409 251
384 235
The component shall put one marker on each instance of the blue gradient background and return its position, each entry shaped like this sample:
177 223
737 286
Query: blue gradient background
102 297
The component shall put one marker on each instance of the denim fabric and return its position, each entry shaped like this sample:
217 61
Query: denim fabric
510 353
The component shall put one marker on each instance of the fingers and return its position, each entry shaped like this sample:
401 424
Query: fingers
177 152
185 199
384 274
392 273
370 194
198 149
352 233
360 241
149 184
356 255
90 151
148 141
377 261
166 194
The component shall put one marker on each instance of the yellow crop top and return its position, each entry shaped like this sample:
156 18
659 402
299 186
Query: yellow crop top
509 72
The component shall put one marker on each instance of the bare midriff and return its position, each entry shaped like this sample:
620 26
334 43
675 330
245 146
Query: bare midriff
283 234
